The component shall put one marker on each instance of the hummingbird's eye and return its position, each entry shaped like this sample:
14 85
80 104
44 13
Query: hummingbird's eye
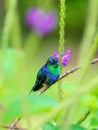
54 61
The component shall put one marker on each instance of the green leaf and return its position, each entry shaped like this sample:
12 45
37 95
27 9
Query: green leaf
28 105
50 126
89 101
94 122
77 127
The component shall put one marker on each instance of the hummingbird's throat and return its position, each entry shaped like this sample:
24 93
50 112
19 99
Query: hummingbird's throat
54 70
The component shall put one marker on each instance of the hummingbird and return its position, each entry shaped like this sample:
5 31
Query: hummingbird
48 74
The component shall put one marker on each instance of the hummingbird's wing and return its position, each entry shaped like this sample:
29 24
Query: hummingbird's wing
41 77
39 82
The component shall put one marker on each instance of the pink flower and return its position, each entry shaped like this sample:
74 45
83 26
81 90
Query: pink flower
65 57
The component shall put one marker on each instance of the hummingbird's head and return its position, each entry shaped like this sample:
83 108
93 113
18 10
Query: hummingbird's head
52 61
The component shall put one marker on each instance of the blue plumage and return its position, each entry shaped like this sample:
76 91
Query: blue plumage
48 74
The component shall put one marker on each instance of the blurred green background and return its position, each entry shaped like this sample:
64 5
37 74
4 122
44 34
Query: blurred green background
23 52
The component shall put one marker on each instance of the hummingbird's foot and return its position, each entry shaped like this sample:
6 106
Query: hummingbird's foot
43 90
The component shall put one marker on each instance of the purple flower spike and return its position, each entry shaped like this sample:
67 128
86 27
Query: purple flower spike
66 58
42 23
56 54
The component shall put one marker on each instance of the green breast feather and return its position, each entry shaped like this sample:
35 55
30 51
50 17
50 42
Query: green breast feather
54 70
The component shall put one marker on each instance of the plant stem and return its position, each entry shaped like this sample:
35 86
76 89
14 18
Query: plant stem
91 55
8 23
61 41
89 31
62 26
86 114
16 32
87 49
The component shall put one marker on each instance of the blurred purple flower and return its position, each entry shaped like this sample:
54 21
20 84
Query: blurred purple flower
65 57
42 23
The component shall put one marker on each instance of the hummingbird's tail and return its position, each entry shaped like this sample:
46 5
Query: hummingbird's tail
30 91
36 87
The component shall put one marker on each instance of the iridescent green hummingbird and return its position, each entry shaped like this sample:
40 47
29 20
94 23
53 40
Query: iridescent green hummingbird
48 74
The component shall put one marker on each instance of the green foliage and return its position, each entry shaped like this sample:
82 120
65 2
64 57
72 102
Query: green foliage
8 22
90 101
94 123
77 127
50 126
28 106
9 61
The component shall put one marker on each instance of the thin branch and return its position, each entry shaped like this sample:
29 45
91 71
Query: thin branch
13 126
75 69
83 117
66 74
69 72
43 90
94 61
